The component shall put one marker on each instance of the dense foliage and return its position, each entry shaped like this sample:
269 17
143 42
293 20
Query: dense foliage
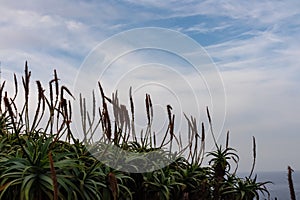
41 159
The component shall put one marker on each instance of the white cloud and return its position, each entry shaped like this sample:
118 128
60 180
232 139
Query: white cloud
261 88
261 11
204 28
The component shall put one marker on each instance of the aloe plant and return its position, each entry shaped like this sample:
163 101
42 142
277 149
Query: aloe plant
245 189
31 175
41 159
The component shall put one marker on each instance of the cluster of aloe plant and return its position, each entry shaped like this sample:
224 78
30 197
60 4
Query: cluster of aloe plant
41 159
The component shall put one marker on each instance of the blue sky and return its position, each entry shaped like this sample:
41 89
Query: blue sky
254 44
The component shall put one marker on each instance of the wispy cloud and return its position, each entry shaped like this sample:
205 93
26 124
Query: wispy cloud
203 28
255 11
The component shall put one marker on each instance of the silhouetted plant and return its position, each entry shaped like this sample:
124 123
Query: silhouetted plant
291 184
41 159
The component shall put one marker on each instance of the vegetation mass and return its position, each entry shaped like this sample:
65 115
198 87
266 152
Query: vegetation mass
41 159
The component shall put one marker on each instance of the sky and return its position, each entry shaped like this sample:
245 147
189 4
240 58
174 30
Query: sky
254 47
